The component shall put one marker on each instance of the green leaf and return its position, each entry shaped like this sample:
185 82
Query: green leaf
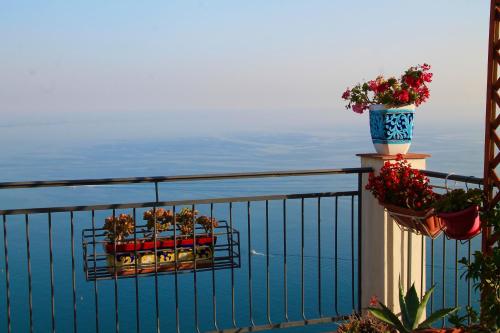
388 317
436 316
422 306
412 303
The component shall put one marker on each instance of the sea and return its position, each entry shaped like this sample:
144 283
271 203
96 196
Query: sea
49 148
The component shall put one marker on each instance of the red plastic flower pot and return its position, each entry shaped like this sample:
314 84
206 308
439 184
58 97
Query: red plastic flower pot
463 224
161 243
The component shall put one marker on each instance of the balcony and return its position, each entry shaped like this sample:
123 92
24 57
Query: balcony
280 260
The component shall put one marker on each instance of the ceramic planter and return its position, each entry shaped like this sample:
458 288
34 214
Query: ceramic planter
391 128
420 222
463 224
125 264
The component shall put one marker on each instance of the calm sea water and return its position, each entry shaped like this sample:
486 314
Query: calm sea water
65 150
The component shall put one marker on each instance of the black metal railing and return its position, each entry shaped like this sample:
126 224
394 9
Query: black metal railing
292 266
443 254
281 260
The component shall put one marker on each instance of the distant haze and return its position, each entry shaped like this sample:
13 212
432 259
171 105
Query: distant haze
235 65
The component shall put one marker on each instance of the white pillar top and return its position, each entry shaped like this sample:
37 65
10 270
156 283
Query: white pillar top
409 156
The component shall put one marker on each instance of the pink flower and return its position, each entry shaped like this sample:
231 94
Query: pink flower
425 67
346 94
359 108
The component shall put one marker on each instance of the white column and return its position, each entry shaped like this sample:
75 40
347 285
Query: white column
385 247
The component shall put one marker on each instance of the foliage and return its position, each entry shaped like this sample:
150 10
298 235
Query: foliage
484 271
119 228
460 320
163 219
412 310
458 200
400 185
363 324
184 220
410 88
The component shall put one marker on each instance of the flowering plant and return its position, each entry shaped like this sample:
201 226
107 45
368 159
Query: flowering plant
119 227
400 185
410 88
185 220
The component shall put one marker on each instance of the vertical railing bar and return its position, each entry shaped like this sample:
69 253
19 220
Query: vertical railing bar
285 287
73 274
157 192
409 273
360 208
268 301
155 238
177 319
195 280
444 277
456 273
319 258
422 244
96 294
336 254
117 319
352 253
302 293
432 273
468 281
51 259
249 238
214 291
7 278
30 285
233 310
136 278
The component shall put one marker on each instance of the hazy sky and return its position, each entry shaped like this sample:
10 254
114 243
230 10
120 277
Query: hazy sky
280 62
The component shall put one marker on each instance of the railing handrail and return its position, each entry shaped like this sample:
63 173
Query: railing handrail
81 208
452 176
164 179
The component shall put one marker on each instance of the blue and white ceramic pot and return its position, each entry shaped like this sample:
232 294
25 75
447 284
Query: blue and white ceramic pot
391 128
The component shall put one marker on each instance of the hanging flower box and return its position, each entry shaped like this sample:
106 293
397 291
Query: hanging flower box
407 196
197 243
425 222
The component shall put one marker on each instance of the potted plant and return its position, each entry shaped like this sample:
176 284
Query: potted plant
459 213
407 196
365 323
412 311
117 230
186 220
392 104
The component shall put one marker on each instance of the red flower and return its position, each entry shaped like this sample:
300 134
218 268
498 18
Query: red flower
427 77
402 96
359 108
399 184
346 94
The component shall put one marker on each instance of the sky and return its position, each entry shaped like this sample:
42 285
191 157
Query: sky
220 65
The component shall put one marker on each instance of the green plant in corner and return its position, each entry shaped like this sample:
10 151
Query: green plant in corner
484 271
412 310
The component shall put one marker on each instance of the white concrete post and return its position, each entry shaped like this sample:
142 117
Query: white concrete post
385 247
